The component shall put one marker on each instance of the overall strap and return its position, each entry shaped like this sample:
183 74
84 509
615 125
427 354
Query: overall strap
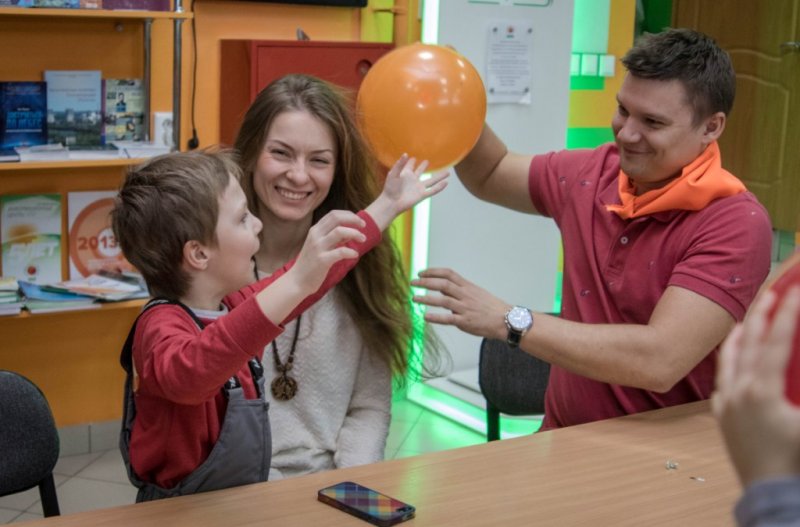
126 357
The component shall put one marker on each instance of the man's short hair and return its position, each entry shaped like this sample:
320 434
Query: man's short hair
164 203
695 59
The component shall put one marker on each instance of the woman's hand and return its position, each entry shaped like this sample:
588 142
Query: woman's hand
761 427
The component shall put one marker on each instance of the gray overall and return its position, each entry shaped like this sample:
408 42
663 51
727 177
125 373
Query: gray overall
243 451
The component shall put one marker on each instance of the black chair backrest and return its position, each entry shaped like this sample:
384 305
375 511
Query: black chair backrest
512 381
29 444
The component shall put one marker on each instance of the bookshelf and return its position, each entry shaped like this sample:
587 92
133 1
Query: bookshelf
33 166
73 355
92 13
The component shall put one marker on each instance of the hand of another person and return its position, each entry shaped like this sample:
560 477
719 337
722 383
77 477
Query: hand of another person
472 309
761 427
325 245
404 188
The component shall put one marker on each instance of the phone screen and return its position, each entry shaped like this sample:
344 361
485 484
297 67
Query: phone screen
367 504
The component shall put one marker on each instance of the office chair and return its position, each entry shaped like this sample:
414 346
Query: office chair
29 444
512 381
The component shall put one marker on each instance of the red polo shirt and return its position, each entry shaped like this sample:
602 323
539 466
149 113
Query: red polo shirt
616 270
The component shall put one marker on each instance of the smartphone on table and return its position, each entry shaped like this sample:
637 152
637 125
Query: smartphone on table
367 504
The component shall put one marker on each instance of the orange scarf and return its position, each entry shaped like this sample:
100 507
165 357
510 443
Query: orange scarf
701 182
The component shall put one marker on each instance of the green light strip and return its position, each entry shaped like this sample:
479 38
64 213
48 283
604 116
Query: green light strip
430 21
589 137
419 261
420 232
579 82
559 280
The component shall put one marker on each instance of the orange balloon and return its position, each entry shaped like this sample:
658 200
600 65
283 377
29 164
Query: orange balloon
424 100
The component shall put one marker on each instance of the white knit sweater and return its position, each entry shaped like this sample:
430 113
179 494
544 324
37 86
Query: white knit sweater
340 414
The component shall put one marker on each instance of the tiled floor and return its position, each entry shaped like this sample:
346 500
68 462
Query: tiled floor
98 480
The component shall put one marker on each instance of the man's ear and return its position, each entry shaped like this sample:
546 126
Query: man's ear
195 255
713 127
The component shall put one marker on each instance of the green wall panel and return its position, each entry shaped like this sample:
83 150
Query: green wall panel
588 137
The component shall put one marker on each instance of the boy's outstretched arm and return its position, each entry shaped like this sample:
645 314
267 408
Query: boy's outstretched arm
403 189
332 247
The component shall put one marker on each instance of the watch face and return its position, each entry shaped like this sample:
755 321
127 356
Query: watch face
519 318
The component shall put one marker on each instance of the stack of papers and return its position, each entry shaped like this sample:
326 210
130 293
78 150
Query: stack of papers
52 152
40 300
141 149
10 301
95 152
100 287
8 155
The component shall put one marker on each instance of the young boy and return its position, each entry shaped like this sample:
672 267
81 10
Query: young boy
195 419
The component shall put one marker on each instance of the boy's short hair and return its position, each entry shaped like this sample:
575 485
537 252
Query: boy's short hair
166 202
704 69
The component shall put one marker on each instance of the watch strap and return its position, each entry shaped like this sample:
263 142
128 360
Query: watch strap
513 338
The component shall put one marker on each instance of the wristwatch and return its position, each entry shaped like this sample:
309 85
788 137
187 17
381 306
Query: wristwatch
518 321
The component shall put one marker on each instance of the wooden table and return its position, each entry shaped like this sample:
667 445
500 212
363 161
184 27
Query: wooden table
608 473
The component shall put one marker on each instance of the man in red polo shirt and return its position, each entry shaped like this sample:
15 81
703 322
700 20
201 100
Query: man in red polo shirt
663 249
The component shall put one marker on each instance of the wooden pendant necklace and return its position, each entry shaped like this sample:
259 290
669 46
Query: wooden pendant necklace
284 387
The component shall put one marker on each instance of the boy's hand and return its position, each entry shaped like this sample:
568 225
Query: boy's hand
403 189
324 246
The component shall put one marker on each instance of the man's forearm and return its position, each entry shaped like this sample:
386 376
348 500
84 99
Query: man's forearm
683 329
624 354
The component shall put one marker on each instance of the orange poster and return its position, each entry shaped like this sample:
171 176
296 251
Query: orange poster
92 244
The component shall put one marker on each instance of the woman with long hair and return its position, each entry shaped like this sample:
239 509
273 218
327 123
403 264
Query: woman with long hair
331 371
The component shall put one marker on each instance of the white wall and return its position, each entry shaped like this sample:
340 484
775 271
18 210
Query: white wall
515 256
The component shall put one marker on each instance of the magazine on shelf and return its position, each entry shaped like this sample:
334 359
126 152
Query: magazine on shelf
148 5
45 306
38 299
129 277
108 151
139 149
33 291
10 300
123 109
11 308
54 152
100 287
92 244
63 4
74 107
30 232
8 155
8 284
23 111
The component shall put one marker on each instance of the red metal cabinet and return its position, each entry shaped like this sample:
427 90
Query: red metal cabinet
247 66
